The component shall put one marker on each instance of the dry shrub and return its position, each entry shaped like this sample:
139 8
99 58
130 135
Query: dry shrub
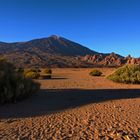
95 72
13 85
47 71
32 73
126 74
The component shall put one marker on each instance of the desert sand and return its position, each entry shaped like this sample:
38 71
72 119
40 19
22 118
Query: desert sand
73 106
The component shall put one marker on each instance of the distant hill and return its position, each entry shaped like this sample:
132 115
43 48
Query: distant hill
56 51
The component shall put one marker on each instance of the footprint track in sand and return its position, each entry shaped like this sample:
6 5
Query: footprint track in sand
116 119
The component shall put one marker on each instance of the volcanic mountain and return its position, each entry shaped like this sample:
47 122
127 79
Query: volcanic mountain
53 45
56 51
53 51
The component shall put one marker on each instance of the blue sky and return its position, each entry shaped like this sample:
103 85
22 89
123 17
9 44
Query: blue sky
102 25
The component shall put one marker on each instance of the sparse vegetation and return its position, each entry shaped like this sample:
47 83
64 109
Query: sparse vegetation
47 71
95 72
32 73
47 74
126 74
13 85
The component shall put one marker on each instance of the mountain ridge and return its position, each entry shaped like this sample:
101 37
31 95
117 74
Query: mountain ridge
57 51
50 43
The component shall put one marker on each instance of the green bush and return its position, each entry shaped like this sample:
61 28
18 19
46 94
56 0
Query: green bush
13 85
95 72
32 73
47 71
126 74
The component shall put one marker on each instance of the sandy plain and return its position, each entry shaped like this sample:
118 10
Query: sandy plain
75 106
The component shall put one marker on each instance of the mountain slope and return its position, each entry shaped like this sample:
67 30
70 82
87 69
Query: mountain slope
53 45
56 51
53 51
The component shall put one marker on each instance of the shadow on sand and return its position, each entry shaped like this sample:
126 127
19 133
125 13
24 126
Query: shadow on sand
51 101
58 78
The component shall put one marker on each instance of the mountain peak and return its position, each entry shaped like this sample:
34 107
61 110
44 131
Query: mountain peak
53 44
55 36
56 51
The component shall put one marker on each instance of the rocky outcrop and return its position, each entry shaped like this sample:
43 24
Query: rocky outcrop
133 61
110 60
56 51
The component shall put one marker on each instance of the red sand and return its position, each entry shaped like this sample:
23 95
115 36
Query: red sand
74 105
